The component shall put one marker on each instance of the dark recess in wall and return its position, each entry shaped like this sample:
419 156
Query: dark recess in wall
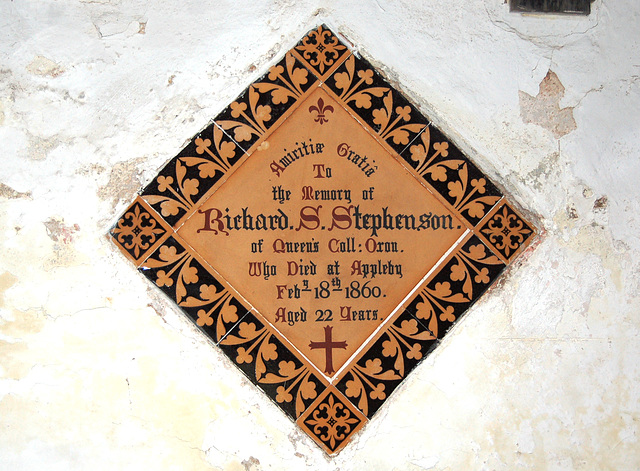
582 7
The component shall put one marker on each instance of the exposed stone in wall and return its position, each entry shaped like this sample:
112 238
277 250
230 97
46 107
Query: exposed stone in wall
58 231
123 181
544 109
44 67
8 192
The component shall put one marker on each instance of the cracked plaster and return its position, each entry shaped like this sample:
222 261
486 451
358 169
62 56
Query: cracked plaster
98 371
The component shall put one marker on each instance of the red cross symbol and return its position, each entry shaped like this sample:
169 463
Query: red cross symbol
328 345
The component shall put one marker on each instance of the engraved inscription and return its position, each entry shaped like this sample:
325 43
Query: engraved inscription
324 232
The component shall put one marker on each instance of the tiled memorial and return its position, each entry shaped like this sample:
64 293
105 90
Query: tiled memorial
324 234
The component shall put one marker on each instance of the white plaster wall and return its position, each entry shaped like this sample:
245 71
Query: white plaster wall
97 371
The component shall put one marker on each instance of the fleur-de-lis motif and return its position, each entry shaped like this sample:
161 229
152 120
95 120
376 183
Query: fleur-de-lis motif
186 178
447 165
254 345
506 231
321 110
137 230
252 114
320 48
332 421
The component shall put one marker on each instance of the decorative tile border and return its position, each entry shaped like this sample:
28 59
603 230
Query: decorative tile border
388 113
138 231
505 231
191 285
330 408
321 51
259 109
438 304
387 362
253 347
183 183
452 175
271 366
332 421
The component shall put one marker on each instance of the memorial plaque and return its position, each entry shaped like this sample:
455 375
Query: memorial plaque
323 234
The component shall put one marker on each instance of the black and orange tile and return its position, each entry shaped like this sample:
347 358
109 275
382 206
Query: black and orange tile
265 103
191 284
452 175
188 177
139 231
367 95
272 366
330 408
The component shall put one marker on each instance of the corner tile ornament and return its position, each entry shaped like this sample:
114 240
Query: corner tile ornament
324 235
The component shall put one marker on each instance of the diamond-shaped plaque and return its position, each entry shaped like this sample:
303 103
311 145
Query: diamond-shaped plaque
323 234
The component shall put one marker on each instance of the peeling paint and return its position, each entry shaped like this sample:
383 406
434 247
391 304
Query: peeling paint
58 231
124 181
544 109
9 193
252 464
45 67
39 148
600 204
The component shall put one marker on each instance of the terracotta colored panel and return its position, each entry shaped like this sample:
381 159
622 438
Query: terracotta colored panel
332 236
323 235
